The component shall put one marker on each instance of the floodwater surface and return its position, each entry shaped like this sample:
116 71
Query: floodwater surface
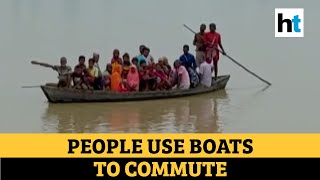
45 30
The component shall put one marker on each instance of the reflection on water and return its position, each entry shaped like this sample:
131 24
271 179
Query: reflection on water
188 115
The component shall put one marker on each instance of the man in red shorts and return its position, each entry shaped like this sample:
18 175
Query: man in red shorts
213 40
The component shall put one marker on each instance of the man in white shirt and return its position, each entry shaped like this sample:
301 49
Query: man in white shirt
205 72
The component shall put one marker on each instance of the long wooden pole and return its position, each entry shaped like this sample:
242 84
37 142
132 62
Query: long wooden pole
234 61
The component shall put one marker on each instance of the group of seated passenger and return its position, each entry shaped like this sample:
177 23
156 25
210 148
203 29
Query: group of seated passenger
141 73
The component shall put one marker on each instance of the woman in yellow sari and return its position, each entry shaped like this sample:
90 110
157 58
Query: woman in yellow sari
116 76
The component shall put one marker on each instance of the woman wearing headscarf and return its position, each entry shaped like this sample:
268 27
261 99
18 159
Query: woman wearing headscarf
116 76
116 57
126 65
162 78
133 78
166 67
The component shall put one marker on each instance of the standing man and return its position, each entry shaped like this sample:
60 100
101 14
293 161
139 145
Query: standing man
99 84
145 56
141 47
189 62
188 59
198 41
212 41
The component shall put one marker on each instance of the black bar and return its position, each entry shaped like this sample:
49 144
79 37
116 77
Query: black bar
82 168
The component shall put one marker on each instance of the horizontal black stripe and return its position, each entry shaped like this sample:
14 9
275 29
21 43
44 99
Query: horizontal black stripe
82 168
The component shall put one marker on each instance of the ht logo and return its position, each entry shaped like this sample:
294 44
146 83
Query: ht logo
289 23
295 22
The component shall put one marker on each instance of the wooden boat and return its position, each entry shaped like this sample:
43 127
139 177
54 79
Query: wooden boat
68 95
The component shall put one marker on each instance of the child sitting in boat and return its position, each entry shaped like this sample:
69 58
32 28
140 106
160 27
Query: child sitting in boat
106 75
91 74
143 75
82 63
135 61
78 78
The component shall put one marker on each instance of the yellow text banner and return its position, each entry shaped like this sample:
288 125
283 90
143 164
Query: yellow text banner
159 145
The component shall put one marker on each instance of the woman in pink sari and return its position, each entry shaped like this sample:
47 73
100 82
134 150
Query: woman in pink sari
133 78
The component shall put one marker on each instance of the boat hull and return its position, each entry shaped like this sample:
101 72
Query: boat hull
68 95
